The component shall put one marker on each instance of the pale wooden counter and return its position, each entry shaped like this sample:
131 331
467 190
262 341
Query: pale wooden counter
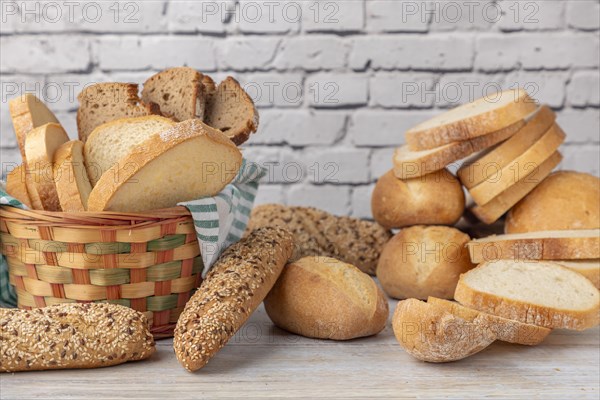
263 361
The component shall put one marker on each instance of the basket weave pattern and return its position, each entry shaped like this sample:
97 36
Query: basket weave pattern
149 262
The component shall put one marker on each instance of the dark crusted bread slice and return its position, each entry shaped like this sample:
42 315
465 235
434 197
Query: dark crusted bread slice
231 110
179 92
105 102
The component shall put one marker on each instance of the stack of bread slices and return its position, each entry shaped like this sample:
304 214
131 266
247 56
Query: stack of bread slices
178 142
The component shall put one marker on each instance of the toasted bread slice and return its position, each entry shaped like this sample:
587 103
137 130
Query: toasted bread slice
588 268
189 161
70 176
16 186
231 110
538 293
544 245
105 102
481 117
27 113
507 330
110 142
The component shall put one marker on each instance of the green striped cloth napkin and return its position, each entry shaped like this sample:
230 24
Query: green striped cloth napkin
220 221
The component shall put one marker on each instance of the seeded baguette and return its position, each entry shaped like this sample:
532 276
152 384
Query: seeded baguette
66 336
234 287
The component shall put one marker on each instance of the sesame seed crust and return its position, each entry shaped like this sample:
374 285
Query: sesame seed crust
234 287
72 335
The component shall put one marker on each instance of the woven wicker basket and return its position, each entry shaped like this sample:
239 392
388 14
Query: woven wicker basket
147 261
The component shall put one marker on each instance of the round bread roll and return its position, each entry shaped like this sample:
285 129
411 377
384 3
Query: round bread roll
432 199
423 261
565 200
321 297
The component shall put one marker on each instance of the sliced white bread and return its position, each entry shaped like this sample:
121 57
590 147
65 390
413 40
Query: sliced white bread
481 117
105 102
70 176
16 187
519 168
179 92
499 205
28 112
110 142
507 330
412 164
588 268
544 245
40 146
231 110
480 169
539 293
186 162
431 333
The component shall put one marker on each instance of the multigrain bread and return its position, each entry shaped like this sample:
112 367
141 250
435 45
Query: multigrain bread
110 142
321 297
506 330
564 200
543 245
179 92
318 233
72 336
40 145
410 164
186 162
423 261
588 268
539 293
27 113
16 187
431 333
104 102
231 110
482 168
499 205
519 168
70 177
432 199
481 117
234 287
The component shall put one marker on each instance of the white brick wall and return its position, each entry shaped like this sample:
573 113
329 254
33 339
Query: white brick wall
337 82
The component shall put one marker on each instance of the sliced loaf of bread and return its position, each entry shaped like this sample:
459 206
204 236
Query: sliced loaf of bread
16 186
70 176
538 293
231 110
110 142
188 161
588 268
105 102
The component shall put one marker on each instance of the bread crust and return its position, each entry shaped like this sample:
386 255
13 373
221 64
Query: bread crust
234 287
71 335
423 138
430 333
70 176
310 299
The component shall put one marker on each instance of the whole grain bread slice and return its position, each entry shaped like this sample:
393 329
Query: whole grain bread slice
179 92
110 142
413 164
538 293
481 117
231 110
70 177
544 245
105 102
507 330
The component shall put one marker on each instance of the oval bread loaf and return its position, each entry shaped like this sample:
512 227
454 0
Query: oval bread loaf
322 297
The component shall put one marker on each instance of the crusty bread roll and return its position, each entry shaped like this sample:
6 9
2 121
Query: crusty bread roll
234 287
564 200
432 199
423 261
318 233
325 298
433 334
72 336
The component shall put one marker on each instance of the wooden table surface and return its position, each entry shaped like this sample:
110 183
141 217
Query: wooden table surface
263 361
